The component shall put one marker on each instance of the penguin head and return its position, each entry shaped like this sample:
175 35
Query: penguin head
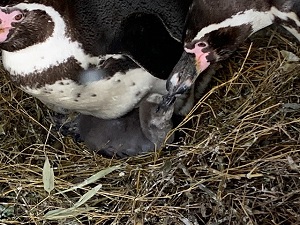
199 54
208 38
216 45
10 20
203 46
26 24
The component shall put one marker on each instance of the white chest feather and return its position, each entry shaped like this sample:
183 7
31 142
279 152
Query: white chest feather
104 98
43 56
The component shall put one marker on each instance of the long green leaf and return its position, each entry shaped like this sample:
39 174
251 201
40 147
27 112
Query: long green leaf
93 178
48 176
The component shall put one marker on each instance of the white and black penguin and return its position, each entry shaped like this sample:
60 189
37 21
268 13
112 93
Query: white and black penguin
99 58
141 130
216 28
46 44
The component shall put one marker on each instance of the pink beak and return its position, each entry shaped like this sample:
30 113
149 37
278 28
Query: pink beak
201 62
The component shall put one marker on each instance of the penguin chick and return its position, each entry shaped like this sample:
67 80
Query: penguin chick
140 131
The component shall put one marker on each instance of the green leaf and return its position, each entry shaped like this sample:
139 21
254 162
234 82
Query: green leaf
93 178
65 213
2 131
87 196
75 210
48 176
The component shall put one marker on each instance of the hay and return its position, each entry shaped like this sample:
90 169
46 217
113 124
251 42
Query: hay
238 164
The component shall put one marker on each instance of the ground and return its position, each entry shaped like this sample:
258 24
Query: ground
239 162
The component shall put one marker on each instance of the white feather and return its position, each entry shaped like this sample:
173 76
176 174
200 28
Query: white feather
257 19
103 98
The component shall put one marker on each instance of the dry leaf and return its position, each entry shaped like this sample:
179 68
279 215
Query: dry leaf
48 176
93 178
75 210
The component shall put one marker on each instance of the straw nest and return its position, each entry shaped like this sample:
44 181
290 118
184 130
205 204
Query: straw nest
239 162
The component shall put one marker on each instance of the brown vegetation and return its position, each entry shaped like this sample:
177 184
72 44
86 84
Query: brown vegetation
239 163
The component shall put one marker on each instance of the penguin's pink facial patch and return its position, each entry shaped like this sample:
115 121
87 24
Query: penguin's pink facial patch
200 56
7 21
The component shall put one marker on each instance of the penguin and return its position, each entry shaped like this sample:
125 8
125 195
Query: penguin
215 29
103 59
140 131
46 44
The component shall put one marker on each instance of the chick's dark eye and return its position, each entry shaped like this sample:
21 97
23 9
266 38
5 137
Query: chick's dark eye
19 17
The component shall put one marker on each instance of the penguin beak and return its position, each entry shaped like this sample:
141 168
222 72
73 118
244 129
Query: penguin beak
192 63
183 76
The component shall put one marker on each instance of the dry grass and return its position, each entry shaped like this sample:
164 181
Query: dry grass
239 163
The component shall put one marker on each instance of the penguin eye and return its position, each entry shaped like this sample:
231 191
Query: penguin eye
19 17
201 44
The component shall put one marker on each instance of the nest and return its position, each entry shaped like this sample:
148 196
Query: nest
238 162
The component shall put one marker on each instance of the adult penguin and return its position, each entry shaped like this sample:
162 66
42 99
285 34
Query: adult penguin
46 45
215 29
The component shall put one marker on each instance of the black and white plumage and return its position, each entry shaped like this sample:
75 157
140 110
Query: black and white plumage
139 131
216 28
54 41
99 58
